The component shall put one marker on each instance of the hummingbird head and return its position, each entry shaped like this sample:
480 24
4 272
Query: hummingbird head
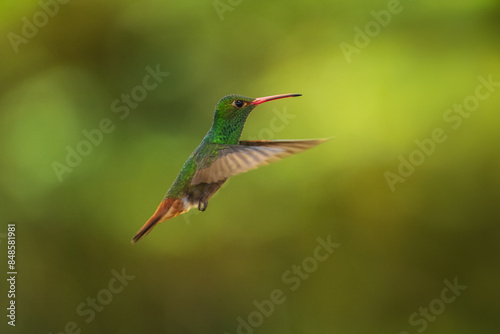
232 111
237 107
233 108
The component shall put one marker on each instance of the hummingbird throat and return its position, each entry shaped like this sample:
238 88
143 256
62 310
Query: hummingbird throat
228 132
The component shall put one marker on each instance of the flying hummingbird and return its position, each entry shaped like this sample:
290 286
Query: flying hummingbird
220 155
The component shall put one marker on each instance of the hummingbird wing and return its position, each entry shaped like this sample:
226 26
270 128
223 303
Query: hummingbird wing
236 159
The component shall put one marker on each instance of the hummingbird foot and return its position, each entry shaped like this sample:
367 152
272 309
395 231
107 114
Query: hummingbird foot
202 205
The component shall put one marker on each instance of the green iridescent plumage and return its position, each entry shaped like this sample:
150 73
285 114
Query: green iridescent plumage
226 129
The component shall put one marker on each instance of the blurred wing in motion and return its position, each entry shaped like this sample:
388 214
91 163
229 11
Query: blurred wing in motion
236 159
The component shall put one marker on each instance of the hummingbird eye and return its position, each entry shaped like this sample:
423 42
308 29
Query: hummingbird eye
238 103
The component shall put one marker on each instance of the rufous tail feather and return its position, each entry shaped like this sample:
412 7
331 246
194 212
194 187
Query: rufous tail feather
168 208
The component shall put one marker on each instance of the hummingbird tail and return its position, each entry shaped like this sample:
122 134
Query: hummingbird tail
168 208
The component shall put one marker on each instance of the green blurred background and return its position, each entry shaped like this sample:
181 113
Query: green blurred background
199 272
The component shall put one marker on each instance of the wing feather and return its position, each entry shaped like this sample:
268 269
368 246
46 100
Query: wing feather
248 155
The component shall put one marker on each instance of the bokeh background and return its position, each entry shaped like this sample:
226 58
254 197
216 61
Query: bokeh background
200 272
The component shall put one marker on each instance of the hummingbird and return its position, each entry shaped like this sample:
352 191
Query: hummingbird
221 155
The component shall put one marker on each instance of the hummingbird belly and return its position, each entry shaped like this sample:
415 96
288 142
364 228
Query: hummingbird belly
199 195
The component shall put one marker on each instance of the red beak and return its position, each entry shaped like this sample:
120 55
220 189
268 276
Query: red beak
260 100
